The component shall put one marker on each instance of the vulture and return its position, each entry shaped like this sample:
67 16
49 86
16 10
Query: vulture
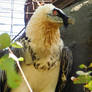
47 62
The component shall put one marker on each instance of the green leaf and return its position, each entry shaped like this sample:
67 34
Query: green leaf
89 85
82 66
21 59
16 45
82 79
3 62
90 65
8 64
4 41
13 79
83 73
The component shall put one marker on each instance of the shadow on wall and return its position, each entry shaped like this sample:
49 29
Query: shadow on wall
79 38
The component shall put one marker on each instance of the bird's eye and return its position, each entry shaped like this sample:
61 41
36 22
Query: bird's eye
55 12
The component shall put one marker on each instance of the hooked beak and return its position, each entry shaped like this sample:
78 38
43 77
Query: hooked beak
66 19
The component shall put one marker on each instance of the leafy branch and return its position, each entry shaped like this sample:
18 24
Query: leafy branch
84 78
7 62
17 61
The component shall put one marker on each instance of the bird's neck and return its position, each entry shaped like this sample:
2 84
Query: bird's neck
51 36
44 37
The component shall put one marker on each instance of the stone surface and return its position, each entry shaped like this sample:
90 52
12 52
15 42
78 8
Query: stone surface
79 38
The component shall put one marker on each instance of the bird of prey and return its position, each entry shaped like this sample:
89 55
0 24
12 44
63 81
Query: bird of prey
47 62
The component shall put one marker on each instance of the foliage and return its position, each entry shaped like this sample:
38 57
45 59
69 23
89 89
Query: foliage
4 41
7 64
84 78
82 66
16 45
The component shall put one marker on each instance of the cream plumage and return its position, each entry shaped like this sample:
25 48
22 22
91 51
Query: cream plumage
42 50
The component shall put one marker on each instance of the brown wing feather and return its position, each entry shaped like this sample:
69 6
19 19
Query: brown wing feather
65 68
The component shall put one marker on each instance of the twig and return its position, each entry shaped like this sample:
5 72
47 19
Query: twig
23 75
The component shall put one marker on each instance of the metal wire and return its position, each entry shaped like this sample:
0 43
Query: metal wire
12 9
11 16
18 34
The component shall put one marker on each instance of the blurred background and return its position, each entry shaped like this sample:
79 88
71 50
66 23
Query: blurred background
11 16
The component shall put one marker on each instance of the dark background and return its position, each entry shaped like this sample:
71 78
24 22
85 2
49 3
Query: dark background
79 38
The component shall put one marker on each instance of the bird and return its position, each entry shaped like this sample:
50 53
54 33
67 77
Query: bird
47 62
